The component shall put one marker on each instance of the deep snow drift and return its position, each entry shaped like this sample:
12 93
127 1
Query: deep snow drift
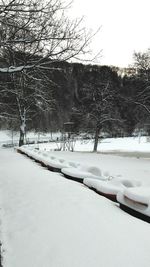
47 220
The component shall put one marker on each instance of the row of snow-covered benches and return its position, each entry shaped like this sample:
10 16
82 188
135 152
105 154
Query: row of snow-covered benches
131 195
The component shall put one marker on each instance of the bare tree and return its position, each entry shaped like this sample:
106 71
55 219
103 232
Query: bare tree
34 34
97 100
24 97
142 64
141 98
40 28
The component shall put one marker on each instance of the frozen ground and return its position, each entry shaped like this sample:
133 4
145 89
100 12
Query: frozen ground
47 220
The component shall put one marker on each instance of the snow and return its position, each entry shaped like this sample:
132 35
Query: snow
13 69
141 194
47 220
73 169
112 186
10 136
110 165
6 136
46 159
22 127
126 144
82 172
113 145
125 167
135 197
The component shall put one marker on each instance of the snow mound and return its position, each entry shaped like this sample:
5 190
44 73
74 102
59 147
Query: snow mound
45 154
55 163
110 187
74 164
51 162
137 198
83 172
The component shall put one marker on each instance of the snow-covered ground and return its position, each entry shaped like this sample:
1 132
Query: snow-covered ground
12 137
47 220
126 144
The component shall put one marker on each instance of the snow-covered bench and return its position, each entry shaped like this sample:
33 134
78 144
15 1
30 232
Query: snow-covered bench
110 188
81 172
51 162
136 201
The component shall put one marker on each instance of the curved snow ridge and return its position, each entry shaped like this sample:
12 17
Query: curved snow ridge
111 187
47 159
44 158
137 198
83 171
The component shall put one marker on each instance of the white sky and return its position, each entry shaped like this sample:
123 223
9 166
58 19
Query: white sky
125 27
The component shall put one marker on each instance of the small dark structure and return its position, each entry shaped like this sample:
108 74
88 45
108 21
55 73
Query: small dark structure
68 136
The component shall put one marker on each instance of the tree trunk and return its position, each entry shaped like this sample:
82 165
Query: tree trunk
97 130
21 138
22 128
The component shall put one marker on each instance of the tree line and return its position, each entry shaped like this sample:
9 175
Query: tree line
41 90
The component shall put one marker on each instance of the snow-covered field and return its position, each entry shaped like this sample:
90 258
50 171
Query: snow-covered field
9 137
47 220
126 144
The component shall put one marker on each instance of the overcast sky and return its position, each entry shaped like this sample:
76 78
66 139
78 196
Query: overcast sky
125 27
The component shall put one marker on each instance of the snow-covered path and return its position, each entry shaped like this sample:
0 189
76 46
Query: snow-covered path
49 221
